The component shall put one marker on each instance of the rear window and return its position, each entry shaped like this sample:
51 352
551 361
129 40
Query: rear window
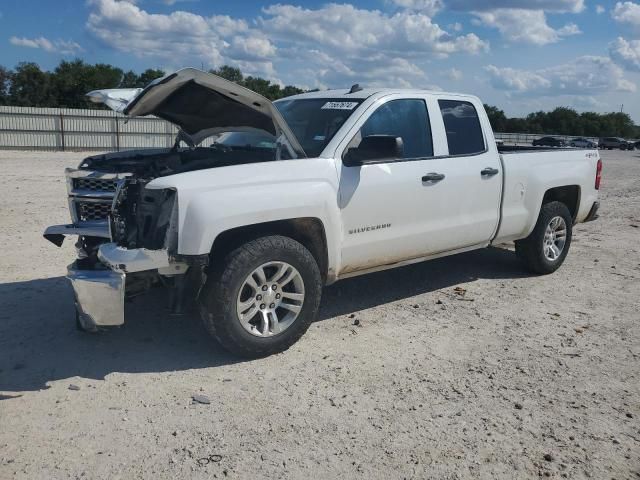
464 133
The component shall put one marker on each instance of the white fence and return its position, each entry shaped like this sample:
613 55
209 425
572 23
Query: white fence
66 129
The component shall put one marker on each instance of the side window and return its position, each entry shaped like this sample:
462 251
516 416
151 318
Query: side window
464 133
407 119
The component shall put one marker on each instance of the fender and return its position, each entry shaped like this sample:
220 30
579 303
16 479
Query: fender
215 200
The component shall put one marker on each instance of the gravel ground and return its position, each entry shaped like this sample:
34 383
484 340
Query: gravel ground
463 367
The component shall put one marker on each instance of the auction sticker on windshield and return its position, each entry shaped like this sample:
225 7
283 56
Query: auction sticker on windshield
339 105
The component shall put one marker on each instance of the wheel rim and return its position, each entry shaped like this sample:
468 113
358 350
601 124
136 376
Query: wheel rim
270 299
555 237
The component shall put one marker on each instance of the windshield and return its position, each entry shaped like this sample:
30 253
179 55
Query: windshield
314 121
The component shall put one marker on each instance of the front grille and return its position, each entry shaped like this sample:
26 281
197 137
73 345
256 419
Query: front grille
93 211
95 184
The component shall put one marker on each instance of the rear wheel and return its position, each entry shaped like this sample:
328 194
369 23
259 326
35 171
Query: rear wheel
545 249
263 296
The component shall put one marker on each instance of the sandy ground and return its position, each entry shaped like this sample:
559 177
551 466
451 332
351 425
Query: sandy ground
426 385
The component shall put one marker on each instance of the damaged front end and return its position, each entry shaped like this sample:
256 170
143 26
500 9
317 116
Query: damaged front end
127 239
127 233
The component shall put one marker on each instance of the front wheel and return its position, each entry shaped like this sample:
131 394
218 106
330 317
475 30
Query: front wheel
263 296
545 249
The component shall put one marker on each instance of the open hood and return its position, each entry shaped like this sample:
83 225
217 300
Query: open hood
201 104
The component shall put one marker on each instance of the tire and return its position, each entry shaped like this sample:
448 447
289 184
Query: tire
220 298
532 251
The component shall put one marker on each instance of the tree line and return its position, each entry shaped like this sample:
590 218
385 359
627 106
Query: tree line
566 121
66 85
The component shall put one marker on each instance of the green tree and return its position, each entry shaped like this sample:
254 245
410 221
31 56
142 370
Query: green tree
31 87
129 80
72 80
291 90
227 72
149 75
260 85
5 83
497 118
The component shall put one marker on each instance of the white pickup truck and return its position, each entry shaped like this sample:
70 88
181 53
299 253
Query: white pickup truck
260 204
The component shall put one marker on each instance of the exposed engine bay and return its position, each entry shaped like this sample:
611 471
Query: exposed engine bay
140 218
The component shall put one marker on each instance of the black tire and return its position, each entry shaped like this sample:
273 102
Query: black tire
218 296
531 249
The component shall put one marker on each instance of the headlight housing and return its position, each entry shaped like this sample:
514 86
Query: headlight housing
140 217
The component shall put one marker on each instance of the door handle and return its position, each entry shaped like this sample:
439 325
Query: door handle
433 177
489 172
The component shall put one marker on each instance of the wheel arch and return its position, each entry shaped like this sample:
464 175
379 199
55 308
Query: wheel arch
309 231
567 194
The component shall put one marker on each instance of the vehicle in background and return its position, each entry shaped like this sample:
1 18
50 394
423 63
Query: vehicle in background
581 142
549 142
265 203
637 144
610 143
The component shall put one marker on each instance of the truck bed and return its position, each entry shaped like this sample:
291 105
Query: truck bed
531 172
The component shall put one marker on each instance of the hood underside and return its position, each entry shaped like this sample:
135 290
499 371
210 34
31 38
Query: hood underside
201 104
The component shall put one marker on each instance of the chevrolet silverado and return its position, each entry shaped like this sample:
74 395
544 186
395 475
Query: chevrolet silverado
260 204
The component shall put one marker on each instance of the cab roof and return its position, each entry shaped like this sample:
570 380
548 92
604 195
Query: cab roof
368 92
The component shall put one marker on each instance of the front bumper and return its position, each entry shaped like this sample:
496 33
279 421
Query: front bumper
99 296
100 293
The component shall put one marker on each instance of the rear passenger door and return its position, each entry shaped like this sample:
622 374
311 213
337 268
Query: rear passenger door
474 173
432 200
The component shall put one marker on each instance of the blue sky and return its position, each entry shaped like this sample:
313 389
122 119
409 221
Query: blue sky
521 55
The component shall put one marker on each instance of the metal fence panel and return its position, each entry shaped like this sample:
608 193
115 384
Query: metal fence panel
66 129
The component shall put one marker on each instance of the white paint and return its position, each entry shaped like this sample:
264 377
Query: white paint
461 212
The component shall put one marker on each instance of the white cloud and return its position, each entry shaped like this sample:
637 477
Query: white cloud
574 6
180 35
65 47
347 29
377 70
627 12
428 7
342 44
173 2
600 9
519 81
365 45
454 74
456 27
569 29
626 53
525 26
587 75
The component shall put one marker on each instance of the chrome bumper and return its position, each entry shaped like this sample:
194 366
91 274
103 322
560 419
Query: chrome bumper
99 296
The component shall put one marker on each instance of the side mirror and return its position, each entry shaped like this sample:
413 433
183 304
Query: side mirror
374 148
